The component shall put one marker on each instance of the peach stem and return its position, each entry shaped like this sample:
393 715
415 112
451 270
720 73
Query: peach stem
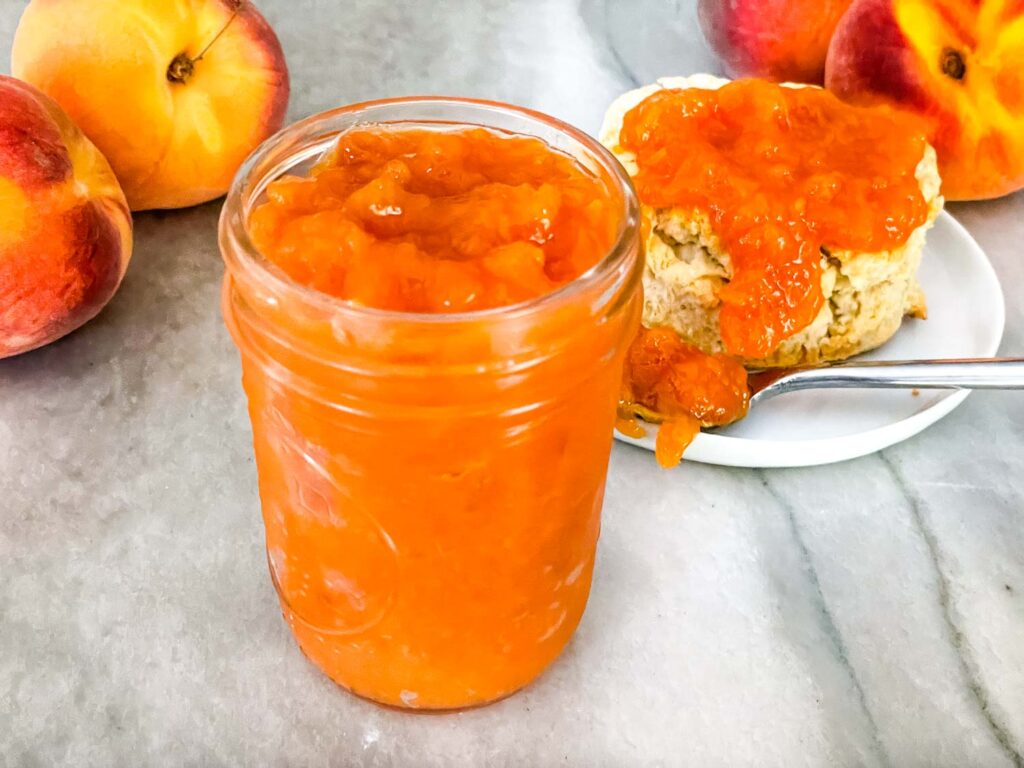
953 64
182 66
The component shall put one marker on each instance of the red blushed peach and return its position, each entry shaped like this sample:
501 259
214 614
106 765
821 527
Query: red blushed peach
175 93
957 63
65 229
782 40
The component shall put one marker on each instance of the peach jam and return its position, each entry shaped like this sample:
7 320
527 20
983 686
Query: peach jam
432 304
436 221
672 382
784 175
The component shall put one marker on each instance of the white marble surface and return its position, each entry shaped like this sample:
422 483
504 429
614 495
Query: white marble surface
870 613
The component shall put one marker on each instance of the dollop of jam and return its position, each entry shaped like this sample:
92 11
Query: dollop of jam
669 381
784 175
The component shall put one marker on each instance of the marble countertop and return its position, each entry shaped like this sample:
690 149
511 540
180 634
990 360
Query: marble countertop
865 614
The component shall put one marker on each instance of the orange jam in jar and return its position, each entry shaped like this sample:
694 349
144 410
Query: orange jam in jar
432 300
784 175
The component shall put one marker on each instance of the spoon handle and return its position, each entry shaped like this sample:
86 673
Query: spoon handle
982 373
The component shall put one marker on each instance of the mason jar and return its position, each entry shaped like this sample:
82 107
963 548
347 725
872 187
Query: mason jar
431 484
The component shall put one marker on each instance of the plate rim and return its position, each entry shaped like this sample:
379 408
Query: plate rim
832 450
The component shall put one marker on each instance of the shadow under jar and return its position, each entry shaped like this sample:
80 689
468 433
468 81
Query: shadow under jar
431 484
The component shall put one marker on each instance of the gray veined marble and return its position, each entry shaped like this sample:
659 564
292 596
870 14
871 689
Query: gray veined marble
865 614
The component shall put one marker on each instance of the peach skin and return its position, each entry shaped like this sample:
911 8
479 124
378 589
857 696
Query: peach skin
782 40
957 63
175 93
65 229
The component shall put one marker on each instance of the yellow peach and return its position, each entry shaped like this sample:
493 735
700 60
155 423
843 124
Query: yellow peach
65 229
959 64
175 93
777 39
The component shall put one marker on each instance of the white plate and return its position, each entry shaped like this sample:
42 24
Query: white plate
966 315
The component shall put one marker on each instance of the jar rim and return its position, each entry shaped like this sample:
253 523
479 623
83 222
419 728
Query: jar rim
297 139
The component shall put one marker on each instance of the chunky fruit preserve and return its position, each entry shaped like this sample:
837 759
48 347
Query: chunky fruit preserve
437 221
433 322
784 175
665 379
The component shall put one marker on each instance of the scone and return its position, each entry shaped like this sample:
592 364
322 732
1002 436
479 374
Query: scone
866 295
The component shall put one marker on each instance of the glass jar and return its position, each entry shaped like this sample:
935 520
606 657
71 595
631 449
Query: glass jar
431 484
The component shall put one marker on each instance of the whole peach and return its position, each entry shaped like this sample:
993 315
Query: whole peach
65 229
176 93
782 40
957 63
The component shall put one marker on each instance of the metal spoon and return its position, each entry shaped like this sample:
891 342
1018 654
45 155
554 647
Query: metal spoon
977 373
